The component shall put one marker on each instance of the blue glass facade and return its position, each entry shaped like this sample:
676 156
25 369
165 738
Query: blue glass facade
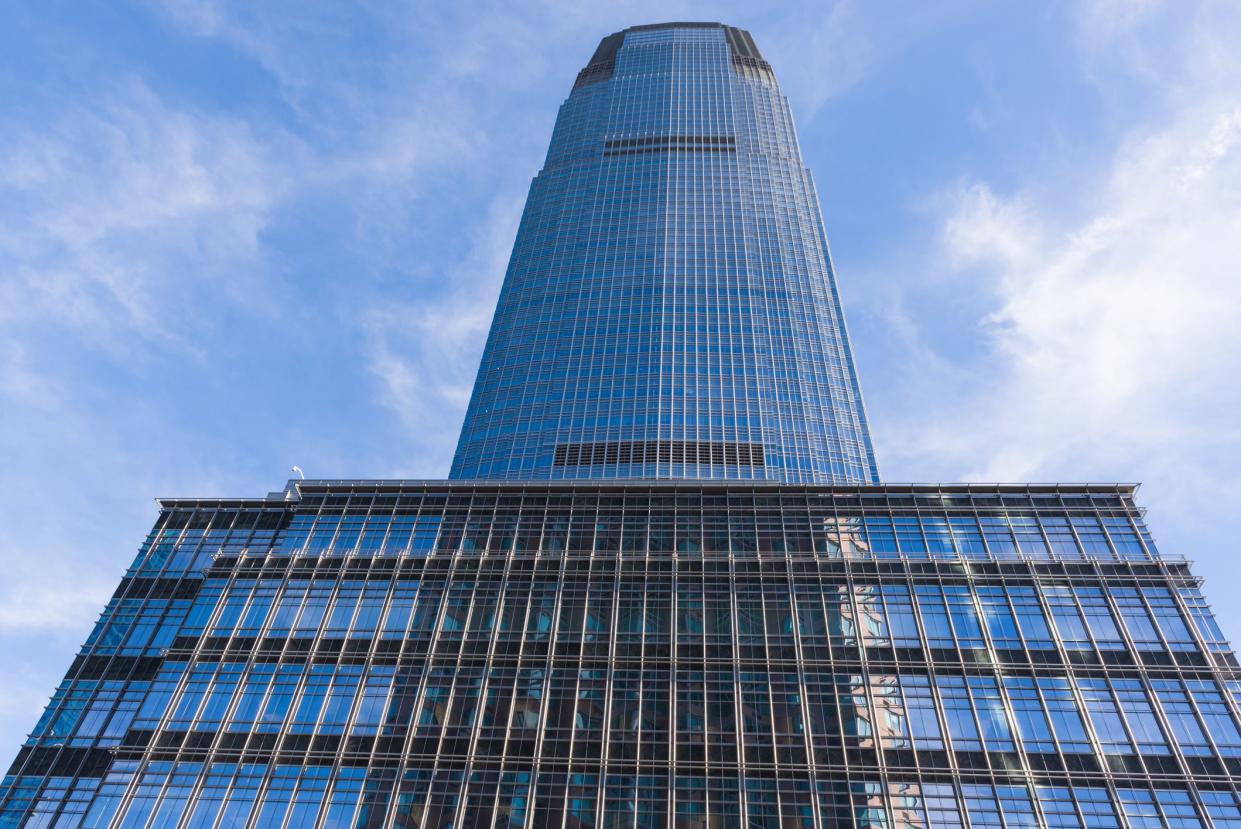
692 654
670 309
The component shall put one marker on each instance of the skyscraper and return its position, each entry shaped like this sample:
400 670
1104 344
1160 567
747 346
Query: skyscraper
662 587
670 309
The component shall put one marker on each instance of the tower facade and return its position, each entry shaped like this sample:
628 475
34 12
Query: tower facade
670 309
689 644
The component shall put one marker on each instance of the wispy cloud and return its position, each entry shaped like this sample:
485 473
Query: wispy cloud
824 50
836 48
1113 339
48 596
426 355
106 206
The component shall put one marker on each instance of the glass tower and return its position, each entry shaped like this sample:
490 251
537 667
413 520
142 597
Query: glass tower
661 637
670 309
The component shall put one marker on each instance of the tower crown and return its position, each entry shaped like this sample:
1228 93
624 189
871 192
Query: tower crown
603 62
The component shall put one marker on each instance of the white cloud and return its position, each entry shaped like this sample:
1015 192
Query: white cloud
50 598
105 205
1114 340
425 355
823 50
834 47
1108 19
23 384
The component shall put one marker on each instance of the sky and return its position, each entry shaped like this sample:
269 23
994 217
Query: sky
239 236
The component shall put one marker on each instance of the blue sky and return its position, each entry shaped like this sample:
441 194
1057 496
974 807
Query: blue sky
236 237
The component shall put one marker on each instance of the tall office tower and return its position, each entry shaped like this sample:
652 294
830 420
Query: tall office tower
670 309
673 651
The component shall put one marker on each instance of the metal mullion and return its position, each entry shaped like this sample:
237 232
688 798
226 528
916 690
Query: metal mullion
483 685
428 671
610 676
738 708
548 661
807 737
